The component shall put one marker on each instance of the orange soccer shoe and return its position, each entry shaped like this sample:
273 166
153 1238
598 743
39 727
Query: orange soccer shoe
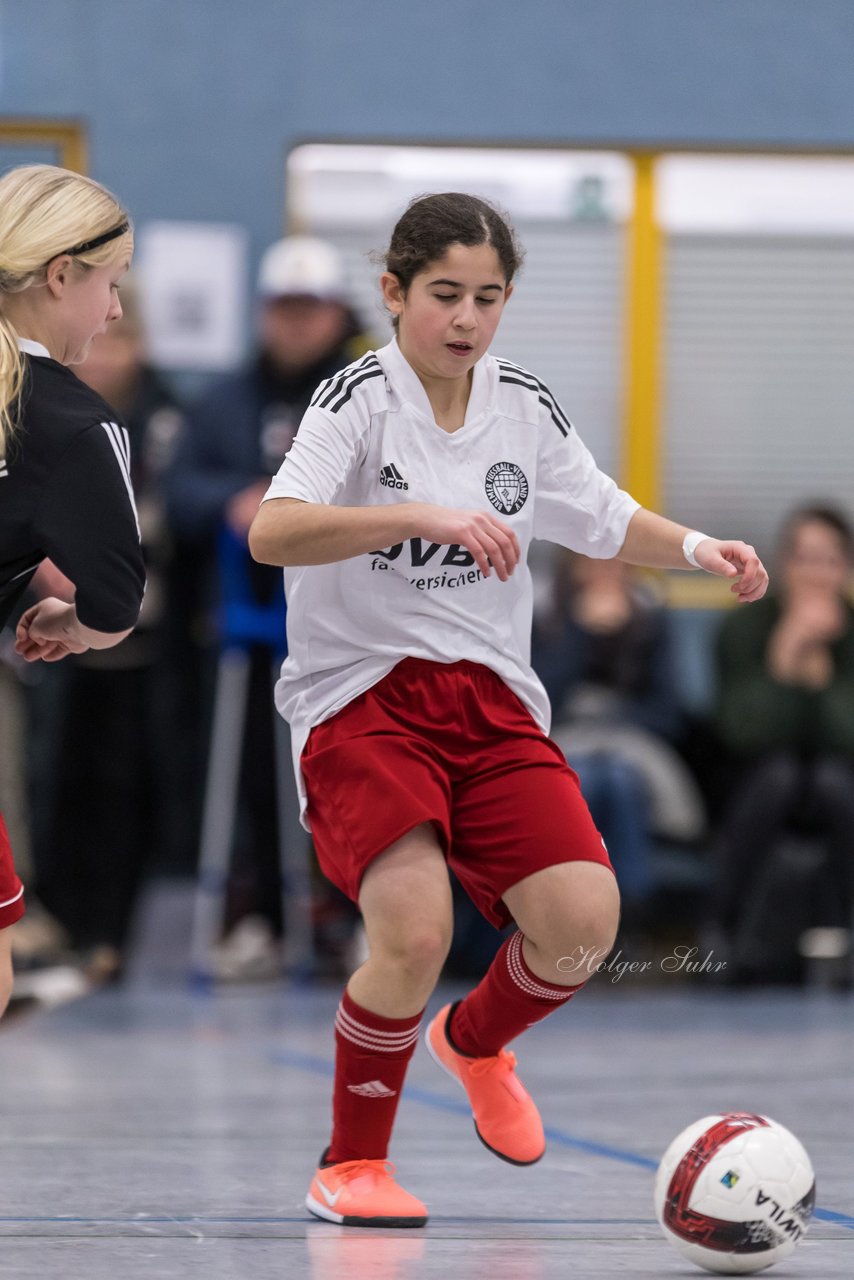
363 1193
505 1117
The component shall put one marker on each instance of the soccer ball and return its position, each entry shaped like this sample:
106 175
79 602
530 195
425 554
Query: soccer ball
735 1193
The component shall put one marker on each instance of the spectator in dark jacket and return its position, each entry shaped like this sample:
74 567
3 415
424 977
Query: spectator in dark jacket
786 712
235 440
113 796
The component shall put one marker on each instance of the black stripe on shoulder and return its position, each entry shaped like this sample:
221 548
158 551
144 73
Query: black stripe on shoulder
516 371
340 376
507 366
545 401
328 390
350 387
521 378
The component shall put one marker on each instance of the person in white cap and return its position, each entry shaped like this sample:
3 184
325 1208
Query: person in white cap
234 440
238 434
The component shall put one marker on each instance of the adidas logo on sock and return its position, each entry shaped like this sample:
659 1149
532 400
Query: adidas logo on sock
373 1089
391 477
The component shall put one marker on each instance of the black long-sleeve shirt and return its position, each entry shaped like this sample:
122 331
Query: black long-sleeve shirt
65 494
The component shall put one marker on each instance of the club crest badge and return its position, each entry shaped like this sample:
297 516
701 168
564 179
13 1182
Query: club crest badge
506 487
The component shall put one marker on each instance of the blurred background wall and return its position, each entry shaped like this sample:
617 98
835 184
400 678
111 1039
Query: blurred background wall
194 109
191 105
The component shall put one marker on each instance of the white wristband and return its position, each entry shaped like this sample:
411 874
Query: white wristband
690 544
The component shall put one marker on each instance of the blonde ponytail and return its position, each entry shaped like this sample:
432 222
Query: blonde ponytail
46 211
11 382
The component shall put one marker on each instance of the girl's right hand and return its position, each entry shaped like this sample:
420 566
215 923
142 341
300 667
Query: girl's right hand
493 543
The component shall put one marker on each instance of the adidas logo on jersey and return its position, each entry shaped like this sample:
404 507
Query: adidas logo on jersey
373 1089
391 477
4 470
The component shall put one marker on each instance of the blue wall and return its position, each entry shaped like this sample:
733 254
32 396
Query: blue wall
192 105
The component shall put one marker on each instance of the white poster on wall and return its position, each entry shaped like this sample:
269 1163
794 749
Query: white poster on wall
193 278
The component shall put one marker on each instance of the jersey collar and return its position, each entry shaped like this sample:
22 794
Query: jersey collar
408 385
31 348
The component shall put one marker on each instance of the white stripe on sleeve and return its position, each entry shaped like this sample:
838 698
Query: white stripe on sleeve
118 438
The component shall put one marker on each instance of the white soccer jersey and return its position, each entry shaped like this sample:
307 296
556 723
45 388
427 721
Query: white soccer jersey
370 438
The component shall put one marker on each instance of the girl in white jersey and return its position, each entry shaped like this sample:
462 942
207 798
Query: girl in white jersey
403 515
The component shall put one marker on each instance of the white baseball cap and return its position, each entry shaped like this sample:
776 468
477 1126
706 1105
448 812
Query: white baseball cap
302 267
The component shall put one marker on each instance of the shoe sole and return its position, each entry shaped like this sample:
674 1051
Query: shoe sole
351 1220
521 1164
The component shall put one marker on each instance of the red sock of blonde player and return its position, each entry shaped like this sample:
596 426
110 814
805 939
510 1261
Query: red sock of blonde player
506 1001
371 1057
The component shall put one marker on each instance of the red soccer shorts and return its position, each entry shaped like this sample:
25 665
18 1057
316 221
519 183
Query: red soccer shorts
11 890
452 745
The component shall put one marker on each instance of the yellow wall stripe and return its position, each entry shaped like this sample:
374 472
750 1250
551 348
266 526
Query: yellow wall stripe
641 460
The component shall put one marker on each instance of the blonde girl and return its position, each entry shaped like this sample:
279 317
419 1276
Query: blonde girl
65 492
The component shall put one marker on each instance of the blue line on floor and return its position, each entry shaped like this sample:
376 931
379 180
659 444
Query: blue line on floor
324 1067
830 1215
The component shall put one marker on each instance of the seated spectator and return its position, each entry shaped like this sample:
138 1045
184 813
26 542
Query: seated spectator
786 713
602 651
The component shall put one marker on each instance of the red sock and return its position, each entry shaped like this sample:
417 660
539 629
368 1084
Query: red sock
371 1057
506 1001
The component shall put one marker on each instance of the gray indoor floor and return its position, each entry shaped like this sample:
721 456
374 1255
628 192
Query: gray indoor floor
153 1132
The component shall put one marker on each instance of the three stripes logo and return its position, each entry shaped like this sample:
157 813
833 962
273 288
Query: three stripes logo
4 470
120 445
520 377
373 1089
391 477
334 393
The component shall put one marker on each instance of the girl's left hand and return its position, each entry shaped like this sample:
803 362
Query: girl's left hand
734 560
46 632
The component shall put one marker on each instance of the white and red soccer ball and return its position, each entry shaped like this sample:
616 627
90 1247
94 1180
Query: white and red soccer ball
735 1193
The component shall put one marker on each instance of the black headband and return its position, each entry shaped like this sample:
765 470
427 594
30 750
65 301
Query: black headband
99 240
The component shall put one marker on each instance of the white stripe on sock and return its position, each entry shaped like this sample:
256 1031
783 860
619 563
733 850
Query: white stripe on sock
515 965
367 1037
